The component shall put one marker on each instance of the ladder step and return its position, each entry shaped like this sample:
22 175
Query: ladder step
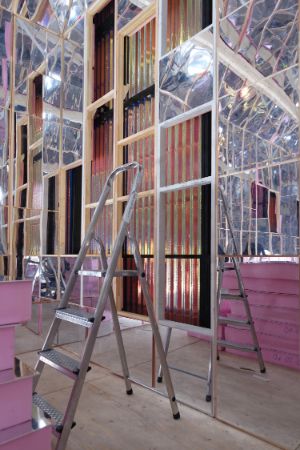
225 268
61 362
234 322
49 411
243 347
76 316
232 296
102 273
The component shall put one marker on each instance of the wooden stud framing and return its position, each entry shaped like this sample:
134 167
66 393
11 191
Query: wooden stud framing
12 271
92 107
137 136
118 134
132 27
157 10
214 202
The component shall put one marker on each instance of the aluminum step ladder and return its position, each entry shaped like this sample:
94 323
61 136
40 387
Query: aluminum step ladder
63 422
233 264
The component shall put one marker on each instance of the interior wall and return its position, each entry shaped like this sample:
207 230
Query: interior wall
150 106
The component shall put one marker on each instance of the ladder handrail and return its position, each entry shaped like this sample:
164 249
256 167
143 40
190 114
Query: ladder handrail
101 203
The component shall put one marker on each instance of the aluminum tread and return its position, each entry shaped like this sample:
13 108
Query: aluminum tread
234 322
243 347
48 410
102 273
76 316
61 360
227 296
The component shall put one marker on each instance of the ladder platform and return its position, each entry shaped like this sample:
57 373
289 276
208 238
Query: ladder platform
61 362
77 316
234 322
49 412
232 296
102 273
243 347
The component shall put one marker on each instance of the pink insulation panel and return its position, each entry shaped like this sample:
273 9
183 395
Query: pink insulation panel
7 347
27 438
15 302
273 294
16 395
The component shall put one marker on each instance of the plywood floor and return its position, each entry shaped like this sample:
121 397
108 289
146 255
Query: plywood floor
107 418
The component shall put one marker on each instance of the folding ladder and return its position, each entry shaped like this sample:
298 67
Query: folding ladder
247 323
233 264
62 423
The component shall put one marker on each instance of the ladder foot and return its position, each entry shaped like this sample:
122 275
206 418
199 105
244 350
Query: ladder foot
129 392
176 416
263 370
59 428
208 398
159 379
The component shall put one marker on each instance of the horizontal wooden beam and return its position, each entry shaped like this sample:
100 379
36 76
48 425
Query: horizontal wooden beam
137 136
92 108
143 194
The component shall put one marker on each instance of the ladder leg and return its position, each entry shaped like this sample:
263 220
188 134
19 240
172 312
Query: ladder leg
40 318
116 323
155 329
219 288
120 344
167 344
260 359
209 377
